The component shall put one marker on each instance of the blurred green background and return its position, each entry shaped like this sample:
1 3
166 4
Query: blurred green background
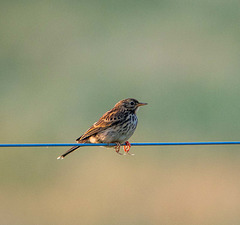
65 63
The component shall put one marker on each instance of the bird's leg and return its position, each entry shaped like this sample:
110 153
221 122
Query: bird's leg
117 148
127 147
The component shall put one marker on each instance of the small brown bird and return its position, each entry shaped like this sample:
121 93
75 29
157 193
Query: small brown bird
115 126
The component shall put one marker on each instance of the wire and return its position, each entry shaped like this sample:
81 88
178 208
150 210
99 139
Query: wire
113 144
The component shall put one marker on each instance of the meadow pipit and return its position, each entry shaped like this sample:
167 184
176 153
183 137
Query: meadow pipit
115 126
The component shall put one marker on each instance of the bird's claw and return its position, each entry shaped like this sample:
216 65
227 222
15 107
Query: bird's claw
117 148
127 147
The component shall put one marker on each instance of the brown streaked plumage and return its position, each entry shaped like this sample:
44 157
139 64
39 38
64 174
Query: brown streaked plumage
115 126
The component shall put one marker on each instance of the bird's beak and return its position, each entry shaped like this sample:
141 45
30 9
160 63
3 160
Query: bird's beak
141 104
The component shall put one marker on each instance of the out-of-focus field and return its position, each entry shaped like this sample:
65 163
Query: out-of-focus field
63 64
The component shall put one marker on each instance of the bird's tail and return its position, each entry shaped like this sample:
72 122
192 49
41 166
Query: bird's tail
68 152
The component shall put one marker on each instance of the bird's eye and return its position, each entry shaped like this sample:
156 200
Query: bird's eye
131 103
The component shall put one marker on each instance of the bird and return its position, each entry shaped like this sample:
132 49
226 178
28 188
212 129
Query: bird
115 126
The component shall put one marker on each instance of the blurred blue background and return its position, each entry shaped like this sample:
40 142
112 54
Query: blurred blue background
65 63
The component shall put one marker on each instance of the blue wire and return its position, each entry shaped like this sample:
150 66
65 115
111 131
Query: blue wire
112 144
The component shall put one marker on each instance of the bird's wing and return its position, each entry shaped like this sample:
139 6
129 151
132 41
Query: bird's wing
110 118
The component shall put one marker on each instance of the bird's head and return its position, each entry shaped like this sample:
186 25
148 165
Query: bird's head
130 104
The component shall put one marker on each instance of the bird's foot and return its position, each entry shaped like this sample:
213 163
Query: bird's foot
127 147
117 148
